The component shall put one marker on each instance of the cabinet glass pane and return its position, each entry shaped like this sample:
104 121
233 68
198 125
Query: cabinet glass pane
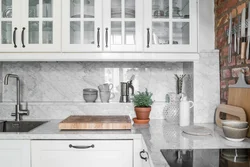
160 33
116 8
75 32
116 33
33 32
6 8
6 32
89 8
47 32
33 8
181 33
75 8
160 8
89 32
130 32
47 8
181 8
129 8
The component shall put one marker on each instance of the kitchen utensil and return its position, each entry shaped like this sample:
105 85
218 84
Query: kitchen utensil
235 39
239 95
248 33
179 82
196 130
230 40
105 96
227 112
243 34
234 133
238 35
90 95
95 122
235 124
7 13
106 87
125 86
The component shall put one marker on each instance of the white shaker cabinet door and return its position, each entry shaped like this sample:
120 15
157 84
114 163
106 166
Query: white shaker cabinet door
14 153
40 29
123 25
170 26
87 153
82 25
10 25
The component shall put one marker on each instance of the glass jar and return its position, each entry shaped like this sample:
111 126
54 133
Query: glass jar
171 110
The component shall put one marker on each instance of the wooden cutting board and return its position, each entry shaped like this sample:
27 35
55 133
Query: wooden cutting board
95 122
239 96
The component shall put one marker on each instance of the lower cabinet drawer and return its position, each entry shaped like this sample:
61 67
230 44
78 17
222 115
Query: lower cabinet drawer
82 153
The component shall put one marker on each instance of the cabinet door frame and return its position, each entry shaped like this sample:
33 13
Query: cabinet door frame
56 19
193 28
138 47
124 147
20 146
16 18
66 46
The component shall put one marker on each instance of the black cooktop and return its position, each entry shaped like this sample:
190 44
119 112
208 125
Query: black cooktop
207 158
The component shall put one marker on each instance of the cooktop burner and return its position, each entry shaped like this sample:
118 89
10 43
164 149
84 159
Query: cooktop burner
207 158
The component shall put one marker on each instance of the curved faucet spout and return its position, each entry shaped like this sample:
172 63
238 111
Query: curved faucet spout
6 78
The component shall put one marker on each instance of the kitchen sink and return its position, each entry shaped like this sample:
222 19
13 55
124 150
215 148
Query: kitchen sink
19 126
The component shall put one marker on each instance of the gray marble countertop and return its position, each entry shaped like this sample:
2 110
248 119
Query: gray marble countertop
157 135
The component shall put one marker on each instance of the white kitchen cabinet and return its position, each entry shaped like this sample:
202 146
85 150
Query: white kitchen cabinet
94 153
99 26
123 25
9 26
30 26
82 26
170 26
14 153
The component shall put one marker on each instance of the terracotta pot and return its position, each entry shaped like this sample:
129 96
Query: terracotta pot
142 113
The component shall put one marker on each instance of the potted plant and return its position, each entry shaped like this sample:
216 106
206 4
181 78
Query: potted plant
142 102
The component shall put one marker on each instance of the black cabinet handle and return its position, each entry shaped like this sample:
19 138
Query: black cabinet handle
81 147
148 37
22 37
98 37
14 37
106 37
144 152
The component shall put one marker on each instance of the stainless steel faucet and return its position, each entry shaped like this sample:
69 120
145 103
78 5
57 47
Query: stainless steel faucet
19 111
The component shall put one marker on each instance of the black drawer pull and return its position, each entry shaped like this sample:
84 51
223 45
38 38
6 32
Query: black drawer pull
81 147
106 37
14 37
144 152
98 37
22 37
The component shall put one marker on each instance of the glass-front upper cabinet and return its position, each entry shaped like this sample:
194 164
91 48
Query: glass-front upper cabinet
41 26
9 26
123 25
170 26
82 25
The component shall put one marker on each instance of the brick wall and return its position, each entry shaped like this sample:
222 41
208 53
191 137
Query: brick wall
228 71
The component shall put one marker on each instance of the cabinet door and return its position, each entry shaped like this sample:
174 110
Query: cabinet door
9 25
82 25
41 26
170 26
123 25
77 154
14 153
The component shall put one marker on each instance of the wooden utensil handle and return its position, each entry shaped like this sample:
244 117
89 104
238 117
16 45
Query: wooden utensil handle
243 48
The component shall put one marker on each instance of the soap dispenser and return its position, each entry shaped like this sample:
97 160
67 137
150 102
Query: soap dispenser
185 107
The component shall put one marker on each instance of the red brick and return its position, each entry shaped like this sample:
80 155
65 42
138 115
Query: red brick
226 73
224 52
240 8
231 3
225 95
223 84
221 42
233 63
236 71
222 20
231 82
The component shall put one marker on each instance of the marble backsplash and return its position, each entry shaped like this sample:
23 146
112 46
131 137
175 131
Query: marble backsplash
64 82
